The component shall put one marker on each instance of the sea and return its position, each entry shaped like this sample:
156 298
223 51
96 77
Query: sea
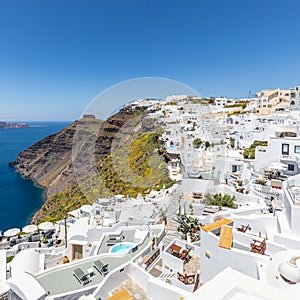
20 198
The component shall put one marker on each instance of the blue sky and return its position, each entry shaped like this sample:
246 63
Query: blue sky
56 56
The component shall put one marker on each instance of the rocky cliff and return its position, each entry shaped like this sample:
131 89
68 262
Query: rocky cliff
73 178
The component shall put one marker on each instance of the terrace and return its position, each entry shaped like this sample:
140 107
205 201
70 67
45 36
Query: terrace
61 280
129 236
293 188
184 260
128 289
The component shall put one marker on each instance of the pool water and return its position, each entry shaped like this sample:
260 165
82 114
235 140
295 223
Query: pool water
122 248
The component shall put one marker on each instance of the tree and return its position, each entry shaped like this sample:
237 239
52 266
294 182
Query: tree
197 142
207 144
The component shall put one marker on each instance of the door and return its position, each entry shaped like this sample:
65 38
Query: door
77 251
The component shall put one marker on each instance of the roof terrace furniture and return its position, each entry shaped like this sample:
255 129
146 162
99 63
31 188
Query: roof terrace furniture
258 246
243 228
102 268
185 256
82 277
175 248
111 242
116 235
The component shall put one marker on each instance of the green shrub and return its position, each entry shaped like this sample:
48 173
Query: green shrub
219 200
9 259
197 142
250 152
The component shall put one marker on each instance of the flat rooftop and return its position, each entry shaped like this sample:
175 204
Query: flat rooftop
61 279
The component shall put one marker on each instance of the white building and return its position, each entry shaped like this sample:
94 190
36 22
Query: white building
221 101
295 98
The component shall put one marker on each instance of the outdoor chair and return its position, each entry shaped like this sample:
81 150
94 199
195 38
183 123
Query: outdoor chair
243 228
102 268
258 246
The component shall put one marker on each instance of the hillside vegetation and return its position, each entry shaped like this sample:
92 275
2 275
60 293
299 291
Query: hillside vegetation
111 159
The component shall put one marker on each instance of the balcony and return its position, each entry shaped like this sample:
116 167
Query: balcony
294 192
292 158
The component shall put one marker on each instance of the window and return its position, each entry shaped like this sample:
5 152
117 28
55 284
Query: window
297 149
285 149
291 167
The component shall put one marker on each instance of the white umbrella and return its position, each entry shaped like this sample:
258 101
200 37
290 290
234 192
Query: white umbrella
30 228
11 232
46 226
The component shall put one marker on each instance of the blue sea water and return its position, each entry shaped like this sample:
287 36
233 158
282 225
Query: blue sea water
20 198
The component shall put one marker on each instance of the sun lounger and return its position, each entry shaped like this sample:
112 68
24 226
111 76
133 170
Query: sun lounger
116 236
101 267
82 277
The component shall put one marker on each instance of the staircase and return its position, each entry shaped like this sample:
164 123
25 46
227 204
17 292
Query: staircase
167 275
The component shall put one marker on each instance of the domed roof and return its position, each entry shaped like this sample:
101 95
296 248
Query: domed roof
25 261
290 270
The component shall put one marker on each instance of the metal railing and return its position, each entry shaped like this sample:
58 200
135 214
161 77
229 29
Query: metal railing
186 279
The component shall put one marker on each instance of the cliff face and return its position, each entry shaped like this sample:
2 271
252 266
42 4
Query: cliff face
50 162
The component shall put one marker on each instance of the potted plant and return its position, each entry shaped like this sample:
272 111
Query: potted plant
45 242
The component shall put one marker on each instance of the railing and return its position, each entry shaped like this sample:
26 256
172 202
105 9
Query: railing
197 282
186 279
153 257
290 157
295 197
53 261
4 296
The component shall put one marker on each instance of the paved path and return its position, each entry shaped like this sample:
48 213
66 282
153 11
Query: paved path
171 228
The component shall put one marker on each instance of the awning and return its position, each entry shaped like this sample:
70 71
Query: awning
226 237
217 224
122 295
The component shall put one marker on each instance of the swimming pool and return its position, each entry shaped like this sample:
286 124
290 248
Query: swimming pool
122 248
